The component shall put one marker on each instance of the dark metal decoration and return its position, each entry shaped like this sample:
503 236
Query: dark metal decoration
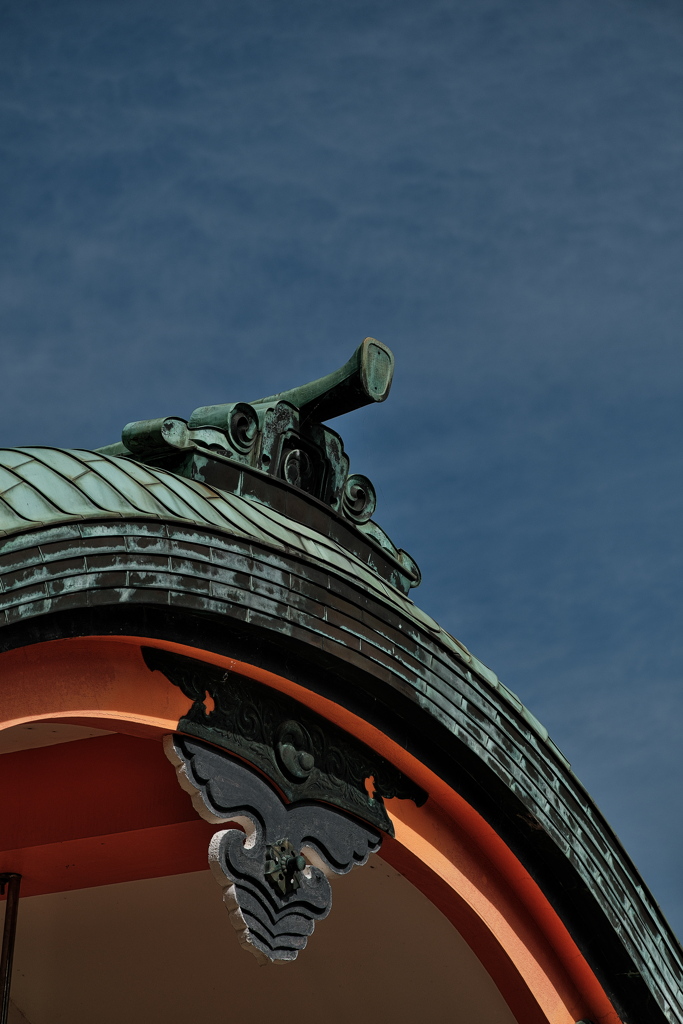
274 872
284 867
283 436
302 753
12 881
359 500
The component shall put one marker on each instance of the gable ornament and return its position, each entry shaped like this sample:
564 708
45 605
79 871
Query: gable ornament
297 788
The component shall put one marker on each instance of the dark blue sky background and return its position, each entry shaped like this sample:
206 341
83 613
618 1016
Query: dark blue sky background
208 201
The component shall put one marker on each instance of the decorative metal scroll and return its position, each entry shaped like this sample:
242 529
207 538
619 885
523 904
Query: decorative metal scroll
285 437
305 756
274 876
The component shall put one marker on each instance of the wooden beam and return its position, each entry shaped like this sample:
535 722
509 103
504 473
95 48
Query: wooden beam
95 812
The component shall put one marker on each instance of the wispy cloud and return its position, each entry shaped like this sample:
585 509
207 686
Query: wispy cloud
208 201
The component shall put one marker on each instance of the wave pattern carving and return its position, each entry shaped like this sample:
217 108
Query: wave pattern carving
274 873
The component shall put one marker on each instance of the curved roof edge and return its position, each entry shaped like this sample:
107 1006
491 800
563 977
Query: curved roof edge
43 486
53 500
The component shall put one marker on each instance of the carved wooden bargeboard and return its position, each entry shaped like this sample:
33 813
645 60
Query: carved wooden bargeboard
273 872
232 758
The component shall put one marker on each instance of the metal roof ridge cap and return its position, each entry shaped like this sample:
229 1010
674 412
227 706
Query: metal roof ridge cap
384 587
300 493
271 514
268 511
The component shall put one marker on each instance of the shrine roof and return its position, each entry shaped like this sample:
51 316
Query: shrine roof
43 486
269 472
246 516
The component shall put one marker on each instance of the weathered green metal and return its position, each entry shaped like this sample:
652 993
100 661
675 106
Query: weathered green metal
364 379
283 436
42 486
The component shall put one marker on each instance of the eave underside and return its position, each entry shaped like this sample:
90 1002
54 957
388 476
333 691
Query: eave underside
231 595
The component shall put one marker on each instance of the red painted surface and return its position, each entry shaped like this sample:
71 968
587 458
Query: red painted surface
88 787
94 812
445 848
106 859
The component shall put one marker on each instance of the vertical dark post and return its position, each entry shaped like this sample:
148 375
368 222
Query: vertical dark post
12 881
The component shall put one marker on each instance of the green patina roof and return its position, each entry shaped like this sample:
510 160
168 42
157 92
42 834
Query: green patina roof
271 476
42 486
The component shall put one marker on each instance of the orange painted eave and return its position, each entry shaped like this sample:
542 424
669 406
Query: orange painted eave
476 880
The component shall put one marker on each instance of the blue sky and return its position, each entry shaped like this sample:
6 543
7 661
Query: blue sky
209 201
